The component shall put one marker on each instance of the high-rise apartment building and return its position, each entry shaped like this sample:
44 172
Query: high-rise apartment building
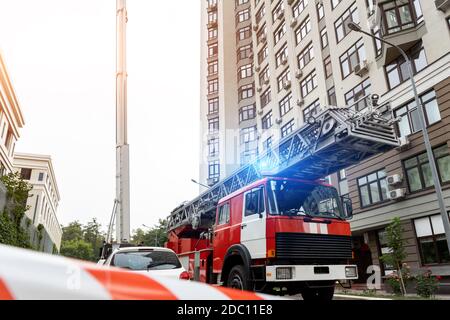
267 65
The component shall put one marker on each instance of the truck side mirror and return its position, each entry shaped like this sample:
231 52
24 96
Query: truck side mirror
348 207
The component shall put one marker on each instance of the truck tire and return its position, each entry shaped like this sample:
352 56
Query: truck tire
238 279
318 294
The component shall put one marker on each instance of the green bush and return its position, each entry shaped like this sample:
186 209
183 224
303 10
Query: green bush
426 284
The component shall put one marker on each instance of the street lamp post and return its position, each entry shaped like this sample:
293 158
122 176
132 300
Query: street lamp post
437 182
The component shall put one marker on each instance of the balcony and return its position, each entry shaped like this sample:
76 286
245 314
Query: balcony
402 25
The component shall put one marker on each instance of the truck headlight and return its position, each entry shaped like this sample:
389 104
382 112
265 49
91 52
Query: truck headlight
351 272
284 273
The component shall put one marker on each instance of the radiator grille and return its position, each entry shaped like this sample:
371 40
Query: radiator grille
316 248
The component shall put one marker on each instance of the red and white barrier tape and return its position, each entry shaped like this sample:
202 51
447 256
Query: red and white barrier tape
28 275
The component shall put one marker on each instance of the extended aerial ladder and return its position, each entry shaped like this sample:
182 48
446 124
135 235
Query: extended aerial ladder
334 139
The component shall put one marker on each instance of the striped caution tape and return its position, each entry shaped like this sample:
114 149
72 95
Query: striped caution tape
29 275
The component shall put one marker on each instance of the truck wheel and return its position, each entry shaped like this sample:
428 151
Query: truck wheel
318 294
237 279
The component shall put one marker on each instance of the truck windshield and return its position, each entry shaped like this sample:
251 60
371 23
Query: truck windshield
291 198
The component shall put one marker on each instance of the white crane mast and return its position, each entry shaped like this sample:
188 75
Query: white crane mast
122 147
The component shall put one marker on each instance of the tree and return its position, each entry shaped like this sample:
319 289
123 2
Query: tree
93 235
78 249
155 236
397 252
74 231
11 231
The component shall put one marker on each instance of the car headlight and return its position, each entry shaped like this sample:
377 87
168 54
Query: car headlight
284 273
351 272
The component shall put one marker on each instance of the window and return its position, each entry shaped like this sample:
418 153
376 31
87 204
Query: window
264 76
320 10
343 183
378 44
213 68
341 24
298 8
286 104
213 106
324 38
308 84
213 125
432 241
281 56
266 97
328 67
248 156
248 135
397 72
276 11
267 121
244 52
245 71
241 2
213 147
418 171
254 202
279 33
305 56
243 15
214 170
212 17
263 54
267 144
213 86
246 91
303 30
287 129
261 35
385 249
213 50
41 176
352 57
356 98
25 173
373 188
212 33
260 14
247 113
409 114
332 100
224 214
311 110
283 79
399 15
244 33
334 3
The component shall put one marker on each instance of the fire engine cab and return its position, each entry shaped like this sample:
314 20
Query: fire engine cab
275 226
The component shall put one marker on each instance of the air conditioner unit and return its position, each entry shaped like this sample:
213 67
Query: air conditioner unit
404 144
300 102
362 68
394 179
259 89
260 112
263 39
397 194
284 60
442 5
257 68
294 22
299 74
266 80
255 27
290 2
278 121
287 85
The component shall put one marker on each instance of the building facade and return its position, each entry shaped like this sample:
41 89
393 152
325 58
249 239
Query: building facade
43 201
269 64
11 120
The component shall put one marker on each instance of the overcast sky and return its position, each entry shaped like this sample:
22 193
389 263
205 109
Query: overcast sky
61 59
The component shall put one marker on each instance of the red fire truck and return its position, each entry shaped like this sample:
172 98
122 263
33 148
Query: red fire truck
275 226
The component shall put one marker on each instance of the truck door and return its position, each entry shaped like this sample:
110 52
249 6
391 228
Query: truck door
221 236
253 227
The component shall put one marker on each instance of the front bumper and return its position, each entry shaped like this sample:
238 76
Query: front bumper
313 273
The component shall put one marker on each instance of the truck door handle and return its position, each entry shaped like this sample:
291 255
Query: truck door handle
243 226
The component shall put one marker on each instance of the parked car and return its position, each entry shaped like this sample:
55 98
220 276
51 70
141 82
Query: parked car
153 260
